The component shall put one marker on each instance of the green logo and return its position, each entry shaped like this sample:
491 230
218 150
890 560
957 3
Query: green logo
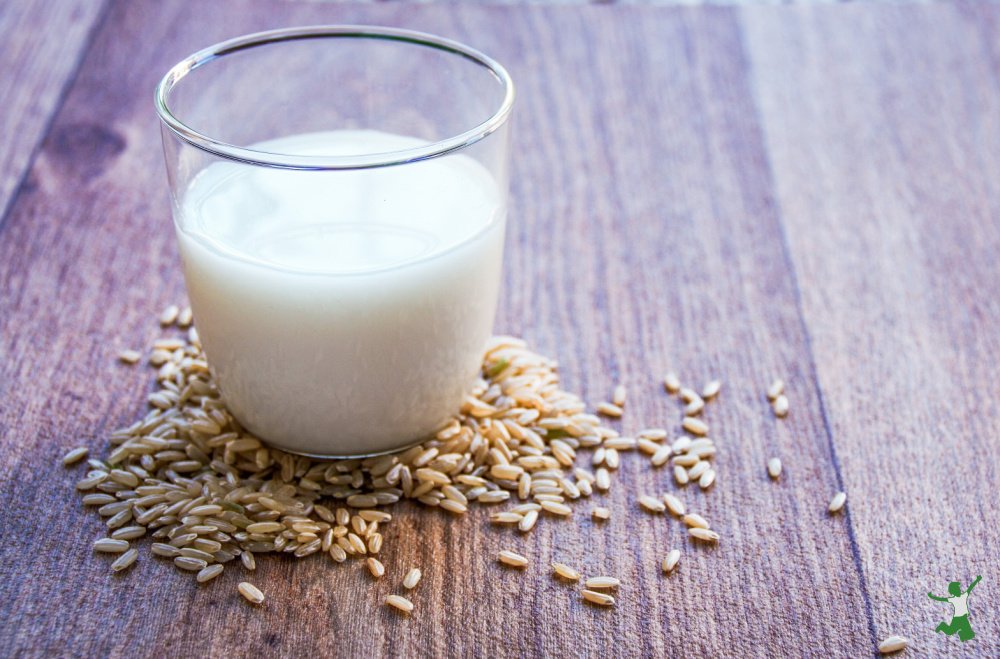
960 620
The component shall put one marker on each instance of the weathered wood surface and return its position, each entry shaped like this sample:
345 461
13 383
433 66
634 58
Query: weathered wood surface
885 152
40 45
803 192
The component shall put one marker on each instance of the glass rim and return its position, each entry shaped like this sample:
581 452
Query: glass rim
360 161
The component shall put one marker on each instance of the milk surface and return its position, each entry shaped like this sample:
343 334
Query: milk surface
343 312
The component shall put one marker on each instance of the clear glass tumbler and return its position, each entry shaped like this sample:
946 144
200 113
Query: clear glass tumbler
340 196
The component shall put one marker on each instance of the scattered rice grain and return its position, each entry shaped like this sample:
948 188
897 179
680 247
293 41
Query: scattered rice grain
652 504
411 579
375 567
776 389
704 534
711 389
603 582
399 602
670 562
695 426
892 644
598 598
610 409
510 558
209 573
125 560
774 467
75 455
566 572
251 592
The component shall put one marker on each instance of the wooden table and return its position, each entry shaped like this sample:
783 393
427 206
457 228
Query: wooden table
810 192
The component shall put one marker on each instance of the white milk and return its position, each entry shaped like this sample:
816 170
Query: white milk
343 312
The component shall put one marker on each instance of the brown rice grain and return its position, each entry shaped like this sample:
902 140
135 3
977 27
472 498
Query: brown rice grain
699 468
603 582
618 396
652 504
506 518
399 602
610 409
375 567
129 533
681 475
704 534
411 579
603 480
681 444
694 408
111 545
566 572
528 521
661 456
598 598
670 562
695 520
169 315
892 644
711 389
129 356
246 557
776 389
695 426
453 506
75 455
674 505
620 443
375 543
649 447
556 508
125 560
250 592
187 563
209 573
774 468
688 395
654 434
508 557
165 550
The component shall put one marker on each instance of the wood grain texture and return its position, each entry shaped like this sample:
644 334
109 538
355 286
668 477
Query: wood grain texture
889 191
662 193
40 44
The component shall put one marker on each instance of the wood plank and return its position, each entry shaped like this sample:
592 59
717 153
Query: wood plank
886 157
40 45
643 237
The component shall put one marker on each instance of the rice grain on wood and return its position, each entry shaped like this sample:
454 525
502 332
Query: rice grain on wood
250 592
508 557
566 572
411 579
670 562
598 598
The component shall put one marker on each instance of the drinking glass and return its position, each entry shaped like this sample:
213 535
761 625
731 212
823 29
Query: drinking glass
339 195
